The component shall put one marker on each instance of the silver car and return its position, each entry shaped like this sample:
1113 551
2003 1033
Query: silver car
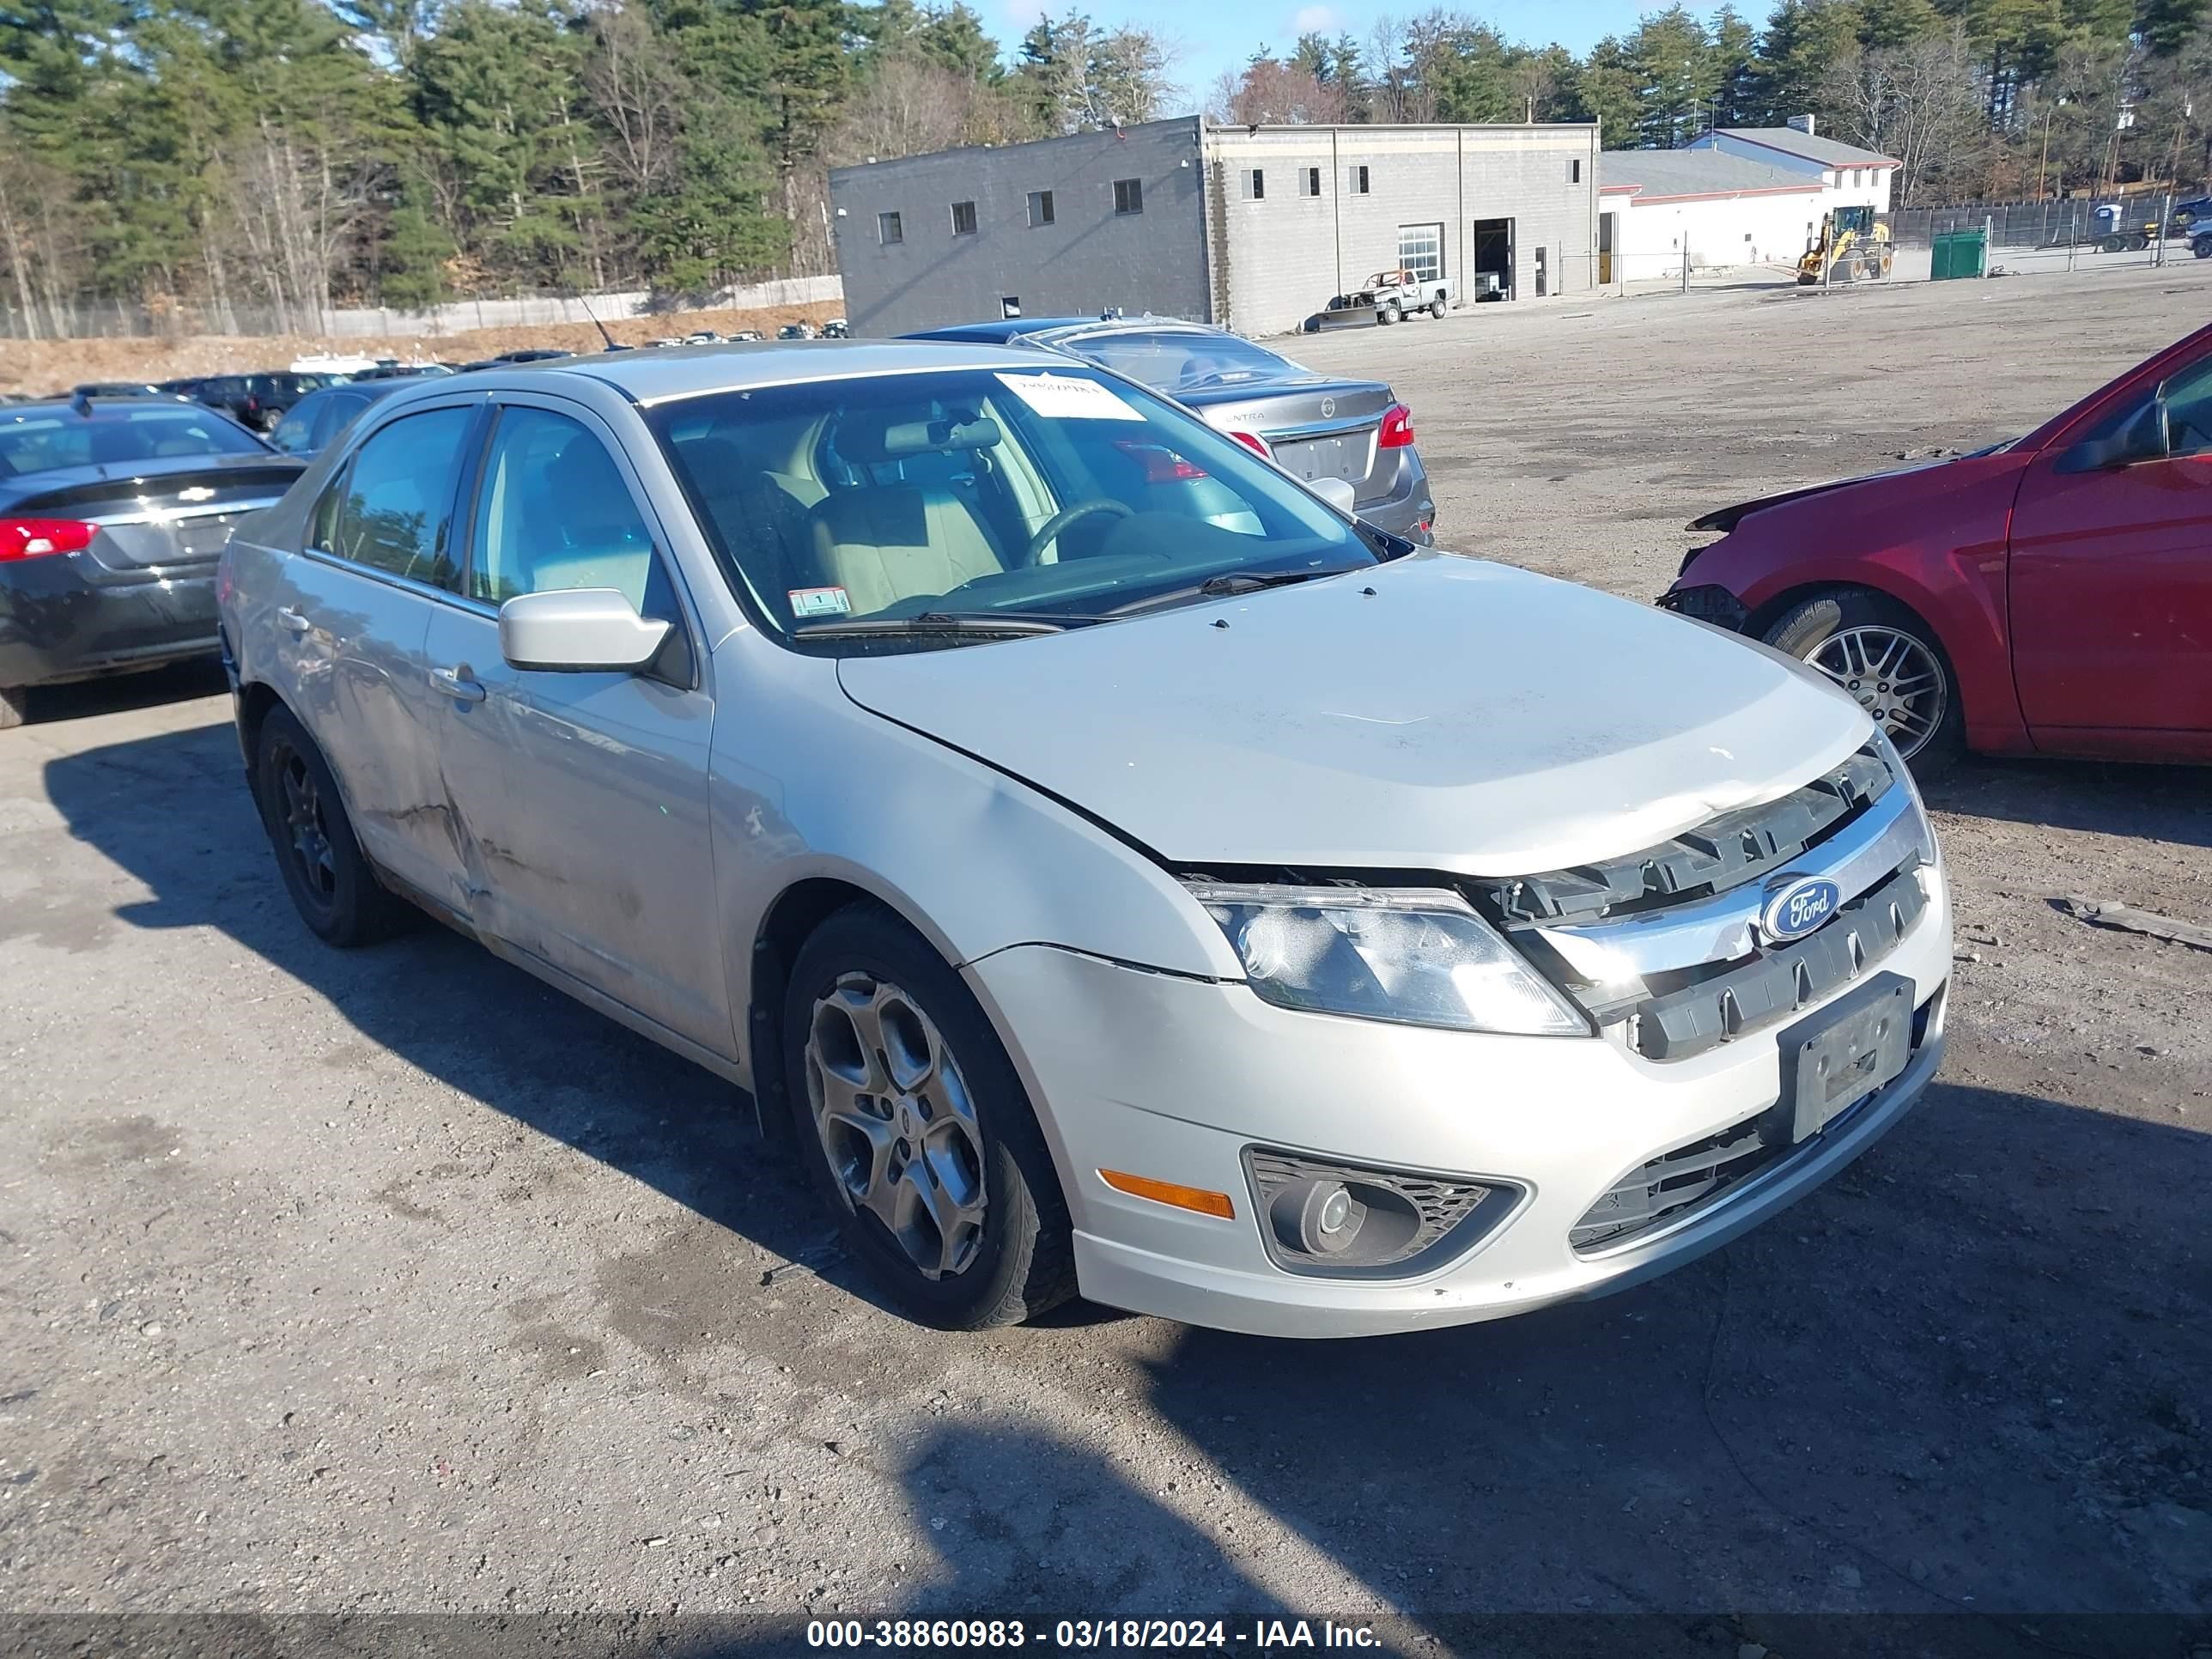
1120 870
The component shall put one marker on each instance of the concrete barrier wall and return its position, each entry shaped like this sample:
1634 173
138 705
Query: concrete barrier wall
607 307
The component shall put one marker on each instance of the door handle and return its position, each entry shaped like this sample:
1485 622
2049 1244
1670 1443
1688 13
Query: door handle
291 620
458 684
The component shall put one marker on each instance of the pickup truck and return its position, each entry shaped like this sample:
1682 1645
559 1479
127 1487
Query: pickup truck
1391 296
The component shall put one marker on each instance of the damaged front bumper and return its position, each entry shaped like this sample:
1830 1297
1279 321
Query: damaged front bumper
1707 603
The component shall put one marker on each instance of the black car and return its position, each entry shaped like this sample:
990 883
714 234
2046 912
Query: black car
257 400
311 423
1318 428
117 389
112 512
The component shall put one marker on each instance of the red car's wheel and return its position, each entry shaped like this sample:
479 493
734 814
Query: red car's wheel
1890 661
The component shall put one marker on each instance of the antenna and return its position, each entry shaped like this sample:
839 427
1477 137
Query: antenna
597 323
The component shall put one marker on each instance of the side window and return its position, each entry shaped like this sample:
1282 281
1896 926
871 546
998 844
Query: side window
293 433
392 513
333 414
2188 408
553 512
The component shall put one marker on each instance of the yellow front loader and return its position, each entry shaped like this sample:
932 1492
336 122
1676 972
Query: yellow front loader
1850 245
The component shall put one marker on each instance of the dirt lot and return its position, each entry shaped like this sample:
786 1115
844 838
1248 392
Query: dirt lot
44 366
391 1281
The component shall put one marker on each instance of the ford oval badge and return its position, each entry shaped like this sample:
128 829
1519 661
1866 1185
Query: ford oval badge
1796 905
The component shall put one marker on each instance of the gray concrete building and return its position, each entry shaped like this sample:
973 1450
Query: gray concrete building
1254 228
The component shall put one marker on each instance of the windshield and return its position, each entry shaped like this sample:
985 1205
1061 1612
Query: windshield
42 441
1054 495
1174 361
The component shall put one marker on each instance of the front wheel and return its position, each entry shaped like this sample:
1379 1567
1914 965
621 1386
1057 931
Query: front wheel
2201 248
916 1128
1389 314
1891 662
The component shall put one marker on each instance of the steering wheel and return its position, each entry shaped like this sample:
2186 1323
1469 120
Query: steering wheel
1048 532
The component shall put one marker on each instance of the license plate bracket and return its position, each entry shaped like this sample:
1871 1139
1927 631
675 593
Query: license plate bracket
1836 1058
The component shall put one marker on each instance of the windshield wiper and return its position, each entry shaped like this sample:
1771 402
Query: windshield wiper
979 624
1231 583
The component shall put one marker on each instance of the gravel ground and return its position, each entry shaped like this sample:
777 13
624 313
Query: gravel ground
392 1282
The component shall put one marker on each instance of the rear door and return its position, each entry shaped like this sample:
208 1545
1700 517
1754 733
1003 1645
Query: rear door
352 610
2111 585
584 796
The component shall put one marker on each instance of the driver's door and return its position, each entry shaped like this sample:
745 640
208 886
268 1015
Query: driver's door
583 795
2111 589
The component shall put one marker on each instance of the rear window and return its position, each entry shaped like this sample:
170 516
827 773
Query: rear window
1172 363
47 442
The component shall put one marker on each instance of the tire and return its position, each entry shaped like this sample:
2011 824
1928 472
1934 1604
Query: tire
2201 248
14 701
2111 244
1851 628
1436 310
333 884
1389 314
870 1000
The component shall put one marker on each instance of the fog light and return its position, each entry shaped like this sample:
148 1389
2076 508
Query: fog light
1345 1221
1328 1217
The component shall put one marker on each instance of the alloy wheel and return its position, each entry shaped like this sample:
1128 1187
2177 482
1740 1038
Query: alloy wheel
898 1123
302 803
1896 678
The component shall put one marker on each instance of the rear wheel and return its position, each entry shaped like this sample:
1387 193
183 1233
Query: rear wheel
2111 244
14 699
916 1128
330 880
1436 309
1890 661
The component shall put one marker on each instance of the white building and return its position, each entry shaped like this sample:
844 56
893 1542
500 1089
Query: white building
1656 207
1852 176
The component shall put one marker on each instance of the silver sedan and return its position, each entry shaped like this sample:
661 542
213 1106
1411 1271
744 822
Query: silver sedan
1118 868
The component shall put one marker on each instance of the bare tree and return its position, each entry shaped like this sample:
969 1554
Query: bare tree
1273 93
637 90
1921 102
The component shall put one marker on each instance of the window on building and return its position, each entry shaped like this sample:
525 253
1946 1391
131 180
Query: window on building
1575 171
1543 275
1010 305
1421 250
1255 185
963 218
1128 195
1359 181
888 229
1313 181
1040 207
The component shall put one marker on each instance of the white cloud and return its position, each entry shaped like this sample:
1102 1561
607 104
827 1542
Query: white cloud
1314 20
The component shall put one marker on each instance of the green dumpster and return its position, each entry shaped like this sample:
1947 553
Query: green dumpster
1957 253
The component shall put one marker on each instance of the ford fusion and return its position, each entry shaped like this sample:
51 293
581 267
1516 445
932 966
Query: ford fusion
1121 871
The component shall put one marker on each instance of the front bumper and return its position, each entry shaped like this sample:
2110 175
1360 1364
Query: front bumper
1173 1079
1709 604
56 625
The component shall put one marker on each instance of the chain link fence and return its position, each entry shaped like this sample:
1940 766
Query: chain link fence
2026 238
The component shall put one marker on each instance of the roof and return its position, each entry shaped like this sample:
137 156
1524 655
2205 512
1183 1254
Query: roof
1659 175
670 371
1826 151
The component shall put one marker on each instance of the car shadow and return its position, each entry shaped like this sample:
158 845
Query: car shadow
1964 1378
173 809
115 694
2151 802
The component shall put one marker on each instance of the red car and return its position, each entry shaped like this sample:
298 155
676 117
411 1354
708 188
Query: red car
2048 596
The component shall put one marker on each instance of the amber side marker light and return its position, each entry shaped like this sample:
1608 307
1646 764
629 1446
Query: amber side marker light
1166 1192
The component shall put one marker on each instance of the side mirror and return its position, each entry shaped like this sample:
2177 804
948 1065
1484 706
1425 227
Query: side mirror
578 631
2142 437
1337 492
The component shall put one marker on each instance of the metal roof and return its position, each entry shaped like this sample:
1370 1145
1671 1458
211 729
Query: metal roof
657 374
1652 172
1826 151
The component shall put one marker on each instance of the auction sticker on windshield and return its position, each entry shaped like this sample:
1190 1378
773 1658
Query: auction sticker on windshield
818 601
1063 398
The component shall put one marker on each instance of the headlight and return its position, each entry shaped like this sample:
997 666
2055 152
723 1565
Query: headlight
1420 956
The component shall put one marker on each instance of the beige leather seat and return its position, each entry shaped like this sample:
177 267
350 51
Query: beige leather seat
885 543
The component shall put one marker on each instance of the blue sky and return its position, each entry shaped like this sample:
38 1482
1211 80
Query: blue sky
1221 34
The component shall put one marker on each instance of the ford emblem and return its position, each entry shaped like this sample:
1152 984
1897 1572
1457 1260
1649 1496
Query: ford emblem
1796 905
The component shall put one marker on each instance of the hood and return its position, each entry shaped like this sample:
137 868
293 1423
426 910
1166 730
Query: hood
1463 716
1727 518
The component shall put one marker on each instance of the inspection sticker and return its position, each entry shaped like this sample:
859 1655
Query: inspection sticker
818 601
1064 397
